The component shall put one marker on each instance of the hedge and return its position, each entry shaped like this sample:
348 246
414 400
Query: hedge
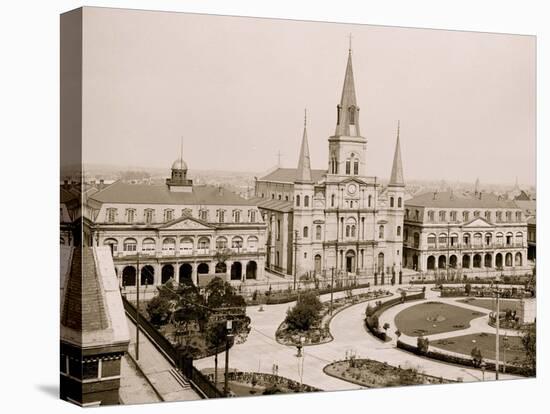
458 360
378 310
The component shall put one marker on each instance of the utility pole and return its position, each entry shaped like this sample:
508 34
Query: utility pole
137 308
229 325
331 289
497 343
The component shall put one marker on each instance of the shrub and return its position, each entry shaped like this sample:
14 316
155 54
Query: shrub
467 289
423 344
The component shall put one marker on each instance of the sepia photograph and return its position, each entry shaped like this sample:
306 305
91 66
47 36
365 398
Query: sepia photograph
256 206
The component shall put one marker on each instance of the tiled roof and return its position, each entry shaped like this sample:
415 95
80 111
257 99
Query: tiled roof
66 196
449 199
270 204
120 192
289 175
83 305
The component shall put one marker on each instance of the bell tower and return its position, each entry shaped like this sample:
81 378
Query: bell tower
347 148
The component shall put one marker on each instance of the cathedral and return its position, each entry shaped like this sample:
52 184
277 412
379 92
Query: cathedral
335 218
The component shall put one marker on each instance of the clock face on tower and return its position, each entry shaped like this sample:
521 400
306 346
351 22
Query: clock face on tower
352 188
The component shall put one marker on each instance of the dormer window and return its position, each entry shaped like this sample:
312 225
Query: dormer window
130 215
111 215
237 216
149 215
168 214
203 215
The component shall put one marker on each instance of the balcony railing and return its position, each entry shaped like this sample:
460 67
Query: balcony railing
466 246
187 252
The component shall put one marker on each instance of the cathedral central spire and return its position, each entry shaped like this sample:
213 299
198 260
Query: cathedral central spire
347 123
303 174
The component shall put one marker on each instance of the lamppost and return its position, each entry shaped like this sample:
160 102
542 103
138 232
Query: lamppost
300 354
497 292
295 255
229 326
505 346
483 365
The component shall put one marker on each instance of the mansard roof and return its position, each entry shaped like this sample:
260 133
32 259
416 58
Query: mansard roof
124 193
449 199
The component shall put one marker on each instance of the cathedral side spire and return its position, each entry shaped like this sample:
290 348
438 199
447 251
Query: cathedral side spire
303 174
396 178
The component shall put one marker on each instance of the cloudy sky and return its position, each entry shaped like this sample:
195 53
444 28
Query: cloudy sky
235 89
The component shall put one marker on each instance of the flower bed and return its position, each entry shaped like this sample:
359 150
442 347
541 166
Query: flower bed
254 383
321 333
374 374
458 360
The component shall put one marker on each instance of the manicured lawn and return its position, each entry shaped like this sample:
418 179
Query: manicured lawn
504 304
434 317
486 343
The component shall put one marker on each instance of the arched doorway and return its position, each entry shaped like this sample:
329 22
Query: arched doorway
186 274
431 263
236 271
477 260
203 269
488 260
508 260
166 273
381 262
453 261
251 268
317 263
498 260
466 261
415 262
129 276
147 275
519 259
221 267
442 262
350 261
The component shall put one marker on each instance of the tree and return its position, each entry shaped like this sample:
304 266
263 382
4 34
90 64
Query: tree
529 342
159 310
305 313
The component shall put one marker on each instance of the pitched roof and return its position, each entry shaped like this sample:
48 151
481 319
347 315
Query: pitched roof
270 204
120 192
289 175
448 199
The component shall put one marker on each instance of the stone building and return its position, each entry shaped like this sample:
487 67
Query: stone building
176 230
94 330
453 234
339 217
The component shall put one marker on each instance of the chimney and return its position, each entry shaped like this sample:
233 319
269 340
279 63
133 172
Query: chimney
66 184
435 195
101 184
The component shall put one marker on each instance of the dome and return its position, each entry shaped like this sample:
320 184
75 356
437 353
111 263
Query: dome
179 164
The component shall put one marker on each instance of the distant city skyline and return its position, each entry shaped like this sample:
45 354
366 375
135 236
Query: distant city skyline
236 89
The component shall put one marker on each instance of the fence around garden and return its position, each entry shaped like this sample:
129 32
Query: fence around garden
463 361
198 381
380 308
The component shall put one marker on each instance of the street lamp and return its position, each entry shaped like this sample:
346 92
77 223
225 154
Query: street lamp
505 346
229 335
483 365
300 355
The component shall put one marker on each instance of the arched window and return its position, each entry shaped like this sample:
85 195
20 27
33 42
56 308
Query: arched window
237 242
318 232
347 230
353 231
252 242
370 200
186 245
148 246
204 244
112 243
332 200
442 240
519 239
399 202
221 243
298 201
130 245
398 230
168 246
381 231
306 201
432 240
391 202
305 232
348 167
356 167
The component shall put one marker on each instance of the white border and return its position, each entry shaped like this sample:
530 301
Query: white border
30 84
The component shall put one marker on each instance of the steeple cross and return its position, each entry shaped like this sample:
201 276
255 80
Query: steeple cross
350 38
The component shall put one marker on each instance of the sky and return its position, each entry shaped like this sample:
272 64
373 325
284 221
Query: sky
233 90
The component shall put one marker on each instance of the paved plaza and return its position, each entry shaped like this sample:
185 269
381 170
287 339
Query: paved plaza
261 351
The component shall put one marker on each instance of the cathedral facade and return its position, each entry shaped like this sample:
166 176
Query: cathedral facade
335 218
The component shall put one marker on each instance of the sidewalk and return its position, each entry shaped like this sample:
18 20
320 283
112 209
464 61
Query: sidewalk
158 370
